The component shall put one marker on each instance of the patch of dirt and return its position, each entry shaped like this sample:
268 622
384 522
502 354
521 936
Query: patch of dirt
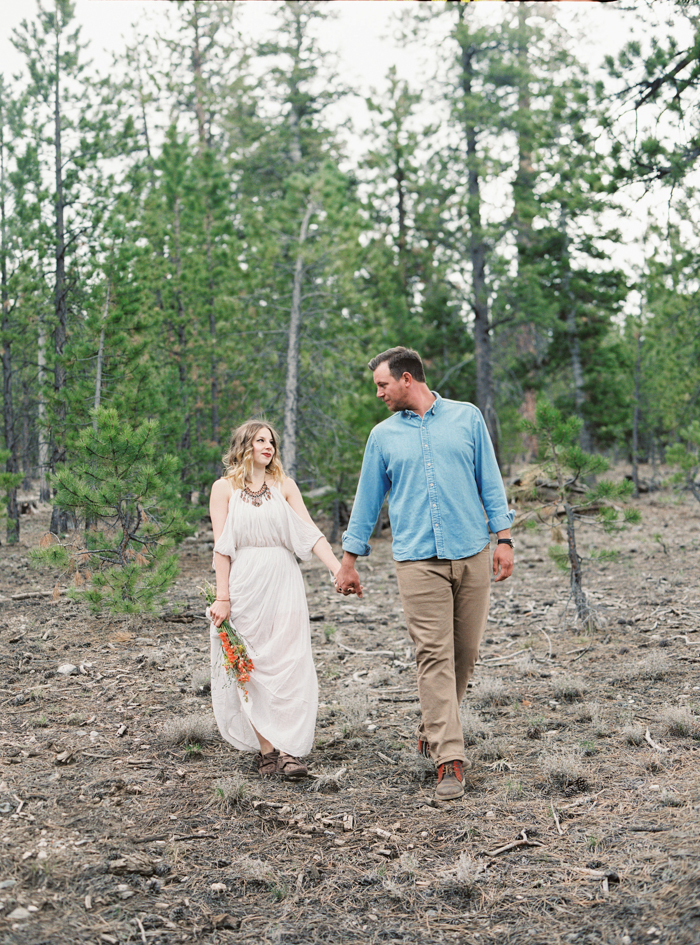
580 820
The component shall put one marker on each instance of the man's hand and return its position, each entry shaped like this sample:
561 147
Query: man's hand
503 561
347 580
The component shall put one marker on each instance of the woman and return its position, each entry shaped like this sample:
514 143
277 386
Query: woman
260 523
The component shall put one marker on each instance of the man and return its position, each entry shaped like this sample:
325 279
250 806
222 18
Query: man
435 459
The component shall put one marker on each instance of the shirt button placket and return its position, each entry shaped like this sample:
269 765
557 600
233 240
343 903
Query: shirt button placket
432 497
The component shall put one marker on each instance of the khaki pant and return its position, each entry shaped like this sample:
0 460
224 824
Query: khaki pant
446 604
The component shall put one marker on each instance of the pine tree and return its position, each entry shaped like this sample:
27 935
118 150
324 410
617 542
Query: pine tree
121 485
70 121
570 467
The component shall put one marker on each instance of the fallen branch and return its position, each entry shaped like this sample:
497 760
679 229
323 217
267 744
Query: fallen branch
654 744
523 842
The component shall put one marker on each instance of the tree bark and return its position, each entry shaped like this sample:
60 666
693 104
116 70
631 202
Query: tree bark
44 444
8 413
523 198
59 519
289 433
583 611
573 335
635 416
477 256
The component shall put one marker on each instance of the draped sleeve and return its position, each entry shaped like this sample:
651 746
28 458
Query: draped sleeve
226 544
303 536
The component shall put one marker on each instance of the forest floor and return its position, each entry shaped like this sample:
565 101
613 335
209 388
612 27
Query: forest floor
124 818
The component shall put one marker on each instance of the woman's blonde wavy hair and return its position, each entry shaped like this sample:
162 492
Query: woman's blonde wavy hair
238 460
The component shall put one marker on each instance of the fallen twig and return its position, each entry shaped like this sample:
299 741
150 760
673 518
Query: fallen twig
556 819
523 842
654 745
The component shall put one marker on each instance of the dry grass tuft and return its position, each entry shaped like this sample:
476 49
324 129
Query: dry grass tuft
473 726
234 791
564 770
655 667
327 781
467 870
201 680
681 720
252 871
393 890
633 734
526 666
491 750
407 865
189 730
491 691
354 713
418 767
569 689
593 712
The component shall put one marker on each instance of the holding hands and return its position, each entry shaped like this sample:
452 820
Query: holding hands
347 580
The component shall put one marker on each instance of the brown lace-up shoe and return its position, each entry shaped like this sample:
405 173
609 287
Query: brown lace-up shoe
450 781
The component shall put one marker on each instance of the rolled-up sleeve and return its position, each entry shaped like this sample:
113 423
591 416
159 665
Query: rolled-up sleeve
488 478
372 488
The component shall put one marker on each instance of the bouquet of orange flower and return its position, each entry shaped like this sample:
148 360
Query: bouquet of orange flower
237 663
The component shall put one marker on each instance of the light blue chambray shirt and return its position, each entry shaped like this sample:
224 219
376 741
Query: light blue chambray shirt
441 475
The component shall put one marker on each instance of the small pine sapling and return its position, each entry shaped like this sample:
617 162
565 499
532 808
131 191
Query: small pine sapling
125 492
569 466
686 456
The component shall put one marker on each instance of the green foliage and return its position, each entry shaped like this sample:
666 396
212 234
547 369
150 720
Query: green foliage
570 468
686 455
124 490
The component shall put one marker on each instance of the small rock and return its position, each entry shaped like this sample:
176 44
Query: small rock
218 888
20 914
8 883
67 669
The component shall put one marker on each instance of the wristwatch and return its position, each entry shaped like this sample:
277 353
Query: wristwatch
505 541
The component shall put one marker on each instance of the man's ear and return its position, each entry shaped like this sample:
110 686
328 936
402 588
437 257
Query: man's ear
407 378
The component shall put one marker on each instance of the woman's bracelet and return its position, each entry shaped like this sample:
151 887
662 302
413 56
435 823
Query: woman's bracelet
224 600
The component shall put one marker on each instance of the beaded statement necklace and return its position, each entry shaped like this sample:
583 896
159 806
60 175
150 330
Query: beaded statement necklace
256 498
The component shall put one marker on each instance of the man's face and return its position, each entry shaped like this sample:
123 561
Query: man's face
393 392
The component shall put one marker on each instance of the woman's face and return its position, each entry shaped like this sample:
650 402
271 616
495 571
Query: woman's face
263 447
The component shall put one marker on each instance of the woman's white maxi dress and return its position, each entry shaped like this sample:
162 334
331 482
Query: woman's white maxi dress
269 611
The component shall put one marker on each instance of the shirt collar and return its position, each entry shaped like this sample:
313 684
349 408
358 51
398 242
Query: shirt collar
431 409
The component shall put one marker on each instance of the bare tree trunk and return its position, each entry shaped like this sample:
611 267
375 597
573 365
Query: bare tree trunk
477 255
573 335
635 418
8 413
59 519
289 433
583 611
100 357
523 200
44 444
181 335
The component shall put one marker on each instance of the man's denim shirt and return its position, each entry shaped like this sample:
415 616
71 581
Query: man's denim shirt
441 474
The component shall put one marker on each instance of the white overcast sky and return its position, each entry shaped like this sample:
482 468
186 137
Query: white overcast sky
362 34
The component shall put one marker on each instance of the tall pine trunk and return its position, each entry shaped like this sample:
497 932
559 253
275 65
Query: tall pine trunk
477 256
291 398
59 519
572 332
523 198
8 413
